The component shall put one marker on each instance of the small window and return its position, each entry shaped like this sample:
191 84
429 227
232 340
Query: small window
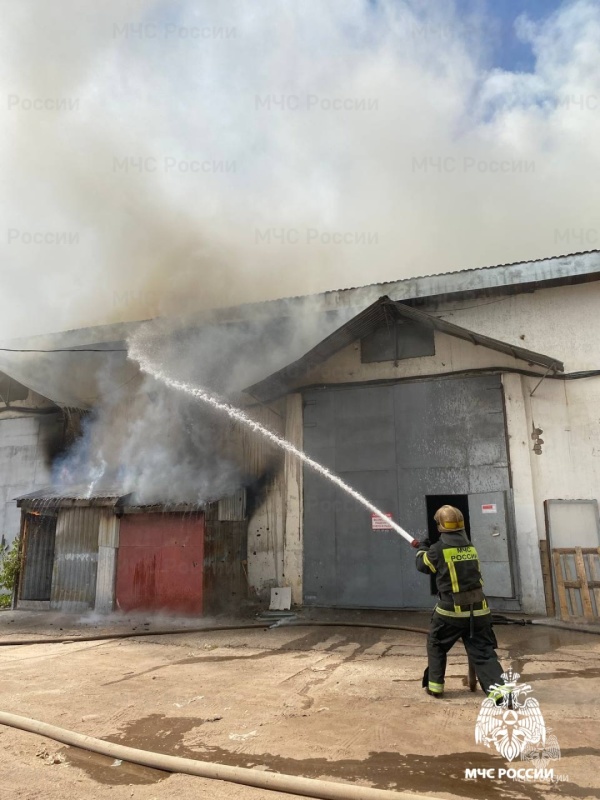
397 340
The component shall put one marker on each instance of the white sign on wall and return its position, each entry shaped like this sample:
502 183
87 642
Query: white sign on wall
378 524
488 508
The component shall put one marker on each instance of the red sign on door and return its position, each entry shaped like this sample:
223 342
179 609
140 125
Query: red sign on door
488 508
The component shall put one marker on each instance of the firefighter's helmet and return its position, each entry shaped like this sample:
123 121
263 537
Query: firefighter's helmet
449 518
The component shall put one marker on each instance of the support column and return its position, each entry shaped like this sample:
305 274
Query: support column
292 547
527 540
108 546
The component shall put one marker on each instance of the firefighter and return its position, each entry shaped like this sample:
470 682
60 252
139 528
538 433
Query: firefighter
462 611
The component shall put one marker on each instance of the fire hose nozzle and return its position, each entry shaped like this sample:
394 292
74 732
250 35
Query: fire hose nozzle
415 543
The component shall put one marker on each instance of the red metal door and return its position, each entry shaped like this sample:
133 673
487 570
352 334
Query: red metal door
159 563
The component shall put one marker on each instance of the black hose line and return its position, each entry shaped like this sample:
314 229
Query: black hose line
497 619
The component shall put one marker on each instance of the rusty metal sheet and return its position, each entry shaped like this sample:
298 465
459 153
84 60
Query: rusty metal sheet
159 563
225 551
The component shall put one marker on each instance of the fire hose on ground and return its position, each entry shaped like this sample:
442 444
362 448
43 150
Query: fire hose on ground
306 787
290 784
471 679
97 637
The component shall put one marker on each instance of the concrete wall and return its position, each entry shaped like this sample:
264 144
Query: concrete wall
25 440
275 527
524 498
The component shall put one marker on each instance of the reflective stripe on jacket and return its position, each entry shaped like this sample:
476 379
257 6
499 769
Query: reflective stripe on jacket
455 563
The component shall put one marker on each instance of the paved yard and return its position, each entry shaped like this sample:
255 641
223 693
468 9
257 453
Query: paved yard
340 703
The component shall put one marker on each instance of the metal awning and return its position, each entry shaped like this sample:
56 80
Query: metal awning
384 311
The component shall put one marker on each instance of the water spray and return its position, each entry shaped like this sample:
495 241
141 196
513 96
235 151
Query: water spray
237 414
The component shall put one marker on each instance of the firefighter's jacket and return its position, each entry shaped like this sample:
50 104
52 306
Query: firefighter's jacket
455 563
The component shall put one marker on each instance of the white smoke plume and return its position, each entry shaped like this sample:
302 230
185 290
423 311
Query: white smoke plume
166 156
145 439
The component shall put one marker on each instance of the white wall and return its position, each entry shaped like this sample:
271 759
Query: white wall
451 355
24 443
275 529
562 321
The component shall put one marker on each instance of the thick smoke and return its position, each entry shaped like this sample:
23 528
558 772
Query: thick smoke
147 442
160 157
165 158
144 439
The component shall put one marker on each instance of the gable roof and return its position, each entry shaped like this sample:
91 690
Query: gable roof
384 311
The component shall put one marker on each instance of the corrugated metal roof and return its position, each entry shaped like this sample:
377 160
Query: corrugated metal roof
75 496
513 272
561 269
49 495
380 312
566 268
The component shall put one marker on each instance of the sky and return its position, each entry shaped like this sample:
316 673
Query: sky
159 158
507 49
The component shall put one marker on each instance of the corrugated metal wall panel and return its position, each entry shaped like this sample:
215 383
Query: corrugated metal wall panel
233 508
253 453
75 559
225 551
39 533
159 562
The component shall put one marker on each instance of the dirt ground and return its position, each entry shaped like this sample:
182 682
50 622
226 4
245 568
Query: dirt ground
339 703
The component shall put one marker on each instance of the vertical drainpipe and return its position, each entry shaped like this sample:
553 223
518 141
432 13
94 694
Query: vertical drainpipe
108 546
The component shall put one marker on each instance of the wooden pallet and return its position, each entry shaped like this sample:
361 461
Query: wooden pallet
577 576
547 577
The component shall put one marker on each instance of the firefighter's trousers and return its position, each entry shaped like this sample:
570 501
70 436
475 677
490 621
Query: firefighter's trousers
444 632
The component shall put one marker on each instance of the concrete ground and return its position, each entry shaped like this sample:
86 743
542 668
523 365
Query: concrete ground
339 703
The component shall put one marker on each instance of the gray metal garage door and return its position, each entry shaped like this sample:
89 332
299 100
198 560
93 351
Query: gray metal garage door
397 444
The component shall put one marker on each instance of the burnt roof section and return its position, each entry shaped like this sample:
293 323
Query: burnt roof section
50 496
384 311
81 496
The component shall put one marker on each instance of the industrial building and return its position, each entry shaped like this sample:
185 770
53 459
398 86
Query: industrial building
479 388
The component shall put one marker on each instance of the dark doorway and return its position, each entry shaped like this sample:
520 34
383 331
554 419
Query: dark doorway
435 501
39 532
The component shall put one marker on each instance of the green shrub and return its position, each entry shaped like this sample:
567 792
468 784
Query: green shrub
9 570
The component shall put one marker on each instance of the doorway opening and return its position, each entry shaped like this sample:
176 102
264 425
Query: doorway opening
434 501
39 534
